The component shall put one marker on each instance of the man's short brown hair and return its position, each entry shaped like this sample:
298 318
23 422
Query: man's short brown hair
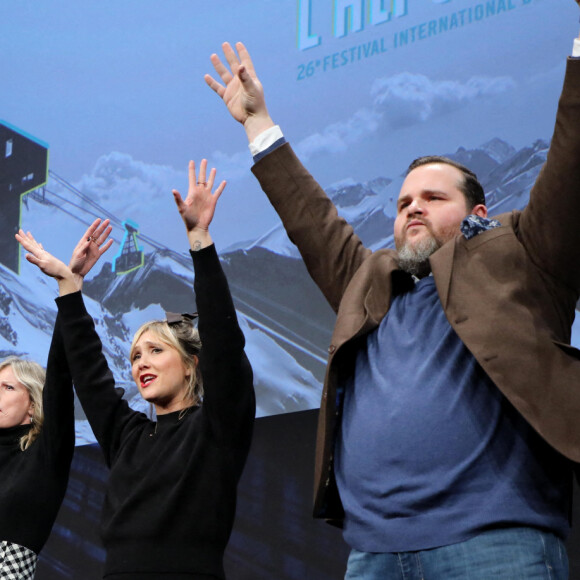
471 188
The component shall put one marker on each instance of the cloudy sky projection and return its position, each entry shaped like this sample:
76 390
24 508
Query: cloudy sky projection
116 89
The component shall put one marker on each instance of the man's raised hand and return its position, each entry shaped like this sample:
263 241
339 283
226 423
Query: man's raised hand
241 90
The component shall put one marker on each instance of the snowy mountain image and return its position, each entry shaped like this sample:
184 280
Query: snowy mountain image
285 319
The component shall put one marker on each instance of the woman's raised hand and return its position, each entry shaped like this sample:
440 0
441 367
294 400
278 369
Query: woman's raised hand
38 256
91 247
198 208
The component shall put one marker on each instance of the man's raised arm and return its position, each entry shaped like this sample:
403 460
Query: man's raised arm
548 227
331 250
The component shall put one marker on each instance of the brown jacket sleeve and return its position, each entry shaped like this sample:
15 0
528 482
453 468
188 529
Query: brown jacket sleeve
549 227
329 247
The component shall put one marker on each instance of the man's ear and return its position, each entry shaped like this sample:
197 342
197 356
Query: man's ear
480 210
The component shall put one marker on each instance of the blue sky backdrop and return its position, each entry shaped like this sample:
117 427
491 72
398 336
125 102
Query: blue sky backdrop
117 90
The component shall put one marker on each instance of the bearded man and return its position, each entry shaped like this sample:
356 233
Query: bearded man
449 418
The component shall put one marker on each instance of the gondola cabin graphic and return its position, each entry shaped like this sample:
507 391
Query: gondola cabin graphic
130 256
23 168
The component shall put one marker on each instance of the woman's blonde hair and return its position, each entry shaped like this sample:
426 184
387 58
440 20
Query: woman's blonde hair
33 377
184 338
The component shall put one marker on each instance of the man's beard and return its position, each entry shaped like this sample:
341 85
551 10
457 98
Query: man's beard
415 259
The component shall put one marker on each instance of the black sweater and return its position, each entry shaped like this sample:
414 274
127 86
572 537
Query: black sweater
171 497
33 482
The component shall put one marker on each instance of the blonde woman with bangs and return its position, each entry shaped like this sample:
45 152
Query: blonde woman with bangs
178 332
36 447
171 496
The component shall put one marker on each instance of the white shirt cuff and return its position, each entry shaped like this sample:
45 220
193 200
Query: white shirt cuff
265 139
576 48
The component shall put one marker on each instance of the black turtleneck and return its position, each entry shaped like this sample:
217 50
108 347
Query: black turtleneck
171 497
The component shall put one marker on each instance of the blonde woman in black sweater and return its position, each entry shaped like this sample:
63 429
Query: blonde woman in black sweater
37 438
36 446
171 496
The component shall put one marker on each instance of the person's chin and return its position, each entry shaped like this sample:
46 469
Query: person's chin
148 396
418 243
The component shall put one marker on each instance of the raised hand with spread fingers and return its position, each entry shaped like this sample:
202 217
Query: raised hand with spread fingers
241 90
92 245
198 208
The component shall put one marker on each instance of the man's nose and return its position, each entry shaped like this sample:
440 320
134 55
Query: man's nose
415 207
